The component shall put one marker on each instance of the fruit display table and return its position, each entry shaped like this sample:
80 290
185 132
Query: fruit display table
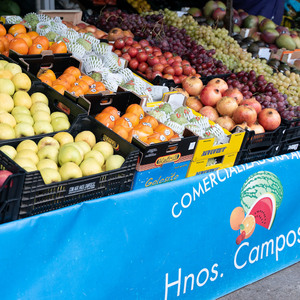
200 237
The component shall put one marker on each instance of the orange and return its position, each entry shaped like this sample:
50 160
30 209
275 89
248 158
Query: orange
121 131
35 49
18 45
46 79
2 30
33 35
76 90
17 29
151 120
124 123
113 111
43 41
165 130
5 42
59 88
106 119
26 38
63 82
136 109
74 71
85 87
68 77
89 80
134 119
58 47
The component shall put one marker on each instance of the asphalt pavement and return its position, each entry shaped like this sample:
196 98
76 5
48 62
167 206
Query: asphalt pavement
282 285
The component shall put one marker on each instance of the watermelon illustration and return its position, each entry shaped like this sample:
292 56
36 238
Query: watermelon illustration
261 196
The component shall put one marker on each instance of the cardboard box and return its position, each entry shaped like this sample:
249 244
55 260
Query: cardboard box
73 16
206 166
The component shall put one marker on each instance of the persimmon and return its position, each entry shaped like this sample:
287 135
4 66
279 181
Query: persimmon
26 38
6 53
68 77
89 80
99 86
133 118
59 47
17 29
76 90
42 40
35 49
2 30
124 123
152 140
59 88
106 119
5 41
136 109
33 35
46 79
144 127
63 82
74 71
9 37
113 111
121 131
51 74
151 120
19 46
165 130
2 47
85 87
158 136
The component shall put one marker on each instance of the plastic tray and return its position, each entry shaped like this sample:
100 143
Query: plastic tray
37 197
11 191
292 130
289 146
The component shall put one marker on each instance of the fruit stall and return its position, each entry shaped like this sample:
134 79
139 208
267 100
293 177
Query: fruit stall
147 146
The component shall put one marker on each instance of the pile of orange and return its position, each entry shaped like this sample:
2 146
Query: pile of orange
134 123
72 80
26 43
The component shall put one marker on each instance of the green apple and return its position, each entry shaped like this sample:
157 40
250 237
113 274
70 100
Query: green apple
64 138
86 136
23 129
7 118
46 163
22 98
6 132
90 166
60 124
24 118
6 74
69 153
114 162
50 152
96 155
10 151
6 102
41 115
28 153
39 97
58 114
41 127
77 147
7 86
27 144
105 148
20 110
39 106
13 68
48 141
70 170
50 175
25 162
22 82
85 147
3 63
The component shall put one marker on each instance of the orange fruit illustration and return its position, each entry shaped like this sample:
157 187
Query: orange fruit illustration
236 218
248 226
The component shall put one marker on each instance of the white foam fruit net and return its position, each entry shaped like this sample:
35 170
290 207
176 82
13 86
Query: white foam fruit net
110 85
43 28
77 50
101 48
111 61
127 74
43 18
72 35
13 19
59 28
91 38
92 63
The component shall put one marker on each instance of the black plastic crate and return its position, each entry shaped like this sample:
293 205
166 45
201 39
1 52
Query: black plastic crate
11 191
249 155
292 130
289 146
37 197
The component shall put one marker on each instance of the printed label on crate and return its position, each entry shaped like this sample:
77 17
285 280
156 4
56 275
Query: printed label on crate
111 141
167 158
293 147
213 151
82 187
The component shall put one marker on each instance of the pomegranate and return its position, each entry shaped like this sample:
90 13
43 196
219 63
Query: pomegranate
269 118
209 112
254 103
243 126
182 91
234 93
226 122
219 83
226 106
245 113
210 95
114 34
257 128
193 85
194 103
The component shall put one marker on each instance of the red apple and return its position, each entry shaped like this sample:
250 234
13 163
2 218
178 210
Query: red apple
152 61
148 49
176 63
118 52
142 57
133 64
119 43
126 56
157 52
128 40
156 73
177 70
144 43
158 67
133 51
169 70
177 58
187 70
176 79
142 67
125 49
168 54
170 60
136 45
163 60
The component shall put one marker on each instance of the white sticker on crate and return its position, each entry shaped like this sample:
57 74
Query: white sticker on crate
293 147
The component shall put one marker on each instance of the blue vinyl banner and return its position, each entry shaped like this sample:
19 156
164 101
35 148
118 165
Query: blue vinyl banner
195 238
